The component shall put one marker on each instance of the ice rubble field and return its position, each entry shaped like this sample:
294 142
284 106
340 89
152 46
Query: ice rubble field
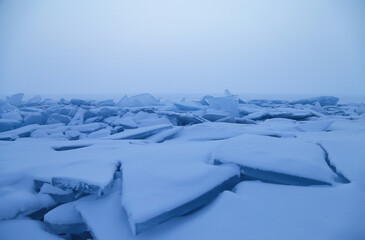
214 168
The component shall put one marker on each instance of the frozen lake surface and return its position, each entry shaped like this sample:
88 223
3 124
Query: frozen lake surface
182 167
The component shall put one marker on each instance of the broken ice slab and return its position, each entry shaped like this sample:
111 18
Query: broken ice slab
278 160
16 99
58 118
78 118
259 115
228 104
214 114
360 109
86 176
49 102
58 194
26 131
266 102
78 102
315 126
80 185
75 184
106 111
34 101
182 119
166 134
126 122
180 210
25 229
105 217
227 120
168 193
19 199
243 120
323 101
65 219
56 132
204 100
210 131
102 112
149 119
104 103
34 118
289 113
19 132
93 120
187 106
8 124
139 133
38 183
140 100
100 133
13 115
87 128
72 135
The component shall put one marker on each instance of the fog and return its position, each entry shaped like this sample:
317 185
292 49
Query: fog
164 46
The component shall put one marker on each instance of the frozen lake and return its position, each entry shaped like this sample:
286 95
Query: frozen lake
198 166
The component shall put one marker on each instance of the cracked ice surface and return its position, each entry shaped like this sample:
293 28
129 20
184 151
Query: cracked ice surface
214 167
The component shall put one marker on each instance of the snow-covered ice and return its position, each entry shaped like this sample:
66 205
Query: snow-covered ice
216 167
280 160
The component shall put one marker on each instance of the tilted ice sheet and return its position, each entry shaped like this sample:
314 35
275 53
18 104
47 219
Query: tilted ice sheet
166 134
85 169
139 133
281 155
64 214
162 178
105 217
211 131
66 219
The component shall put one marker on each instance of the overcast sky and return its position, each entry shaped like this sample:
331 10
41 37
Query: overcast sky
182 46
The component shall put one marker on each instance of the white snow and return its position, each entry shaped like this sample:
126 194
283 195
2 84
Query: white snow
25 229
165 172
17 197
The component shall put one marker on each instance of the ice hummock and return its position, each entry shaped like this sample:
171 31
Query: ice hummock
140 100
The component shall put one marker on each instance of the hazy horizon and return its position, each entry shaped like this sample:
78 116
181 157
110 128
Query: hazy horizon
261 47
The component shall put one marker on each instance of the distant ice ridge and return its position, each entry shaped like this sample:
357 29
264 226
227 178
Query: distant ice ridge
144 110
214 167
